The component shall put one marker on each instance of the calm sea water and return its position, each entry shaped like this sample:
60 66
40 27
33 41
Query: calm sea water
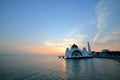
49 67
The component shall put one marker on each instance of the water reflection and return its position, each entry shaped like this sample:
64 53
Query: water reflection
17 67
73 69
79 69
90 69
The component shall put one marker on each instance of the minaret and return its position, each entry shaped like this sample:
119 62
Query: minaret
89 49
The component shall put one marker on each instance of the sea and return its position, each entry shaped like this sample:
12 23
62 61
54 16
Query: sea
50 67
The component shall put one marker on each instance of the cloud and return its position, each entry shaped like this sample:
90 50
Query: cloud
47 43
96 36
113 37
108 25
76 38
106 12
102 15
73 37
77 34
103 12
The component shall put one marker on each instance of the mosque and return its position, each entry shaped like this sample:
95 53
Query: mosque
75 52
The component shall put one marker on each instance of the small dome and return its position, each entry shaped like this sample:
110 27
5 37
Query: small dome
105 50
74 46
84 48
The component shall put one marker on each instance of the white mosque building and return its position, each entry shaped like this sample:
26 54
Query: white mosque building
75 52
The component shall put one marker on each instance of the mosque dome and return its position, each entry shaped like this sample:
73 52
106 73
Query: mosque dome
74 46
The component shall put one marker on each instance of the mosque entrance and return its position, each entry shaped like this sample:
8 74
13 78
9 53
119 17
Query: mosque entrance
76 53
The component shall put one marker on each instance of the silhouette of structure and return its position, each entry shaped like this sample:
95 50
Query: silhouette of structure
75 52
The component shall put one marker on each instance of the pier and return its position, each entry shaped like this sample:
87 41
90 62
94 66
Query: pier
74 57
63 57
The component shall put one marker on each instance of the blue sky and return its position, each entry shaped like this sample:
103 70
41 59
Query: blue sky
49 26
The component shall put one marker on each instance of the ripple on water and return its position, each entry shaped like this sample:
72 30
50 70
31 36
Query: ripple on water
51 68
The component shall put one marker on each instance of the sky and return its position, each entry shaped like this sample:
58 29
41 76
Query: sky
50 26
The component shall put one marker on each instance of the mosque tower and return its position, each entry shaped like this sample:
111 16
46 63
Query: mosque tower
89 49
